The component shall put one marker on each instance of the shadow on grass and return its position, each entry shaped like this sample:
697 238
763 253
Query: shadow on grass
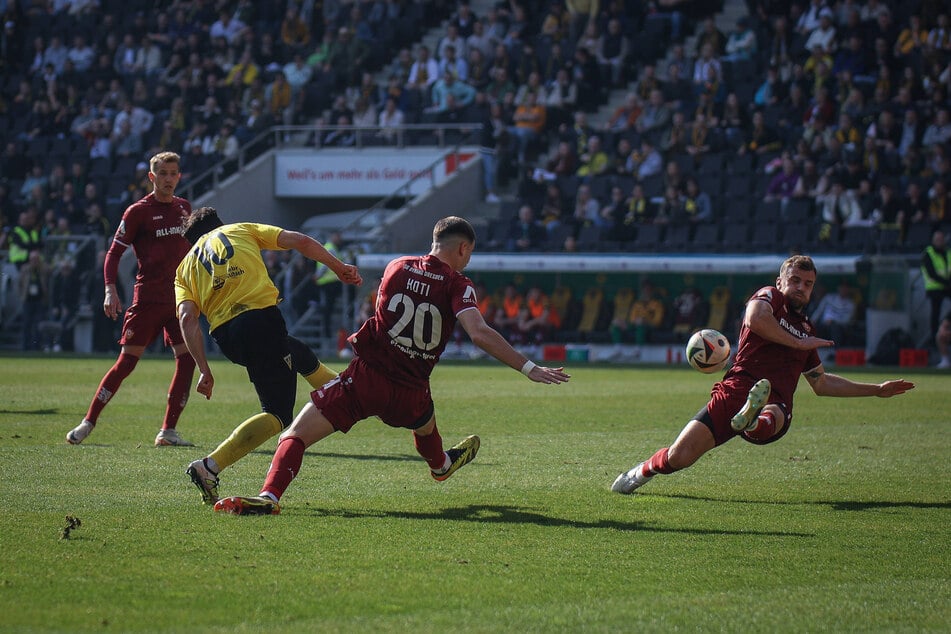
347 456
493 514
865 506
836 505
30 412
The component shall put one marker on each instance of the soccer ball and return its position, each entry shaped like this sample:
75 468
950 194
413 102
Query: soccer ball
708 351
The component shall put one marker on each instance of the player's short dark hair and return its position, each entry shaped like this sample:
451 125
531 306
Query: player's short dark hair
453 226
801 262
200 222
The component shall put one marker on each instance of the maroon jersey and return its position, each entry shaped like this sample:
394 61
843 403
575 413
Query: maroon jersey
782 365
416 309
154 230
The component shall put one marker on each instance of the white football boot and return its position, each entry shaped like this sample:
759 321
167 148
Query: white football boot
78 433
630 480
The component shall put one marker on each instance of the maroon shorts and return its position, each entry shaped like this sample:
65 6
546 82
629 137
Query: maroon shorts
727 398
361 392
143 322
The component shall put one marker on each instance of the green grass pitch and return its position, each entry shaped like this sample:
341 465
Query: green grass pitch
844 525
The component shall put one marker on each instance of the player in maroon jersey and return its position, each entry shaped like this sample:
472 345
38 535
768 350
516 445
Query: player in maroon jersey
418 304
152 226
755 398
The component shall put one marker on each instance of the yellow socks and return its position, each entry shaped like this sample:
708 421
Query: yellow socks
320 376
246 437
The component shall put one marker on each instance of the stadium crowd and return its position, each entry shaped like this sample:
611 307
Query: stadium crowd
810 125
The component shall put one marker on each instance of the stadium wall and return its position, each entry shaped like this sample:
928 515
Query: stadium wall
251 195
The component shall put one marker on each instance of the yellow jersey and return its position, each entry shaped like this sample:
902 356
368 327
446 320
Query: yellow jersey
224 274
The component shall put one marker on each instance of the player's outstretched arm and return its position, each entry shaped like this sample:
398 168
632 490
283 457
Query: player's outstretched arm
826 384
894 388
310 248
495 344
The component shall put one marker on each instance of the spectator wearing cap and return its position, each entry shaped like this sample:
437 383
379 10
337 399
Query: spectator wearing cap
823 35
809 19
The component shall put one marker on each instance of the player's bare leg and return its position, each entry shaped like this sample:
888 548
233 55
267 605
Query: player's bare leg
694 440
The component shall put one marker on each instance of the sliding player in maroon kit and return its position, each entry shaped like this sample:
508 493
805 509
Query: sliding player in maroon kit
152 226
419 301
755 398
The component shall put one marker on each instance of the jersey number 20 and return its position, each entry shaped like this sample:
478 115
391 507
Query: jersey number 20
413 318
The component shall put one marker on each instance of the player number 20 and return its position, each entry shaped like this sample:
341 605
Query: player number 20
409 312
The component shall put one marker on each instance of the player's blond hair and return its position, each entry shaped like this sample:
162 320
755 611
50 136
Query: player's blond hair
162 158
